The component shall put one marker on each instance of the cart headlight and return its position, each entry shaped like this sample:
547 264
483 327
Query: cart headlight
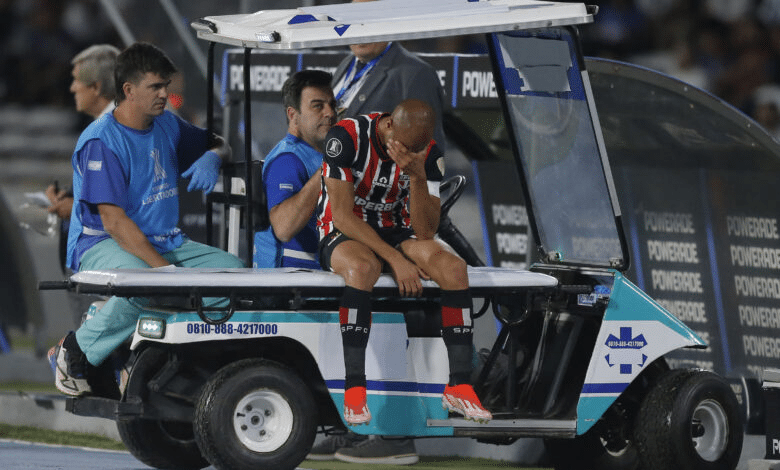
150 327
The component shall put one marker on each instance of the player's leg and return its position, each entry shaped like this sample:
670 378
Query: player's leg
439 261
450 272
360 268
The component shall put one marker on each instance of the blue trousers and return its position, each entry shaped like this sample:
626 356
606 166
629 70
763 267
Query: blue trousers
115 322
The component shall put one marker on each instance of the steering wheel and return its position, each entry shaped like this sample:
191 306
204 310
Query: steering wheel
455 185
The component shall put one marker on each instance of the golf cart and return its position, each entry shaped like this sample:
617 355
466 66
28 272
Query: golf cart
579 357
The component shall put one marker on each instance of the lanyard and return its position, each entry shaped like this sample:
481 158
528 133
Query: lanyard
350 81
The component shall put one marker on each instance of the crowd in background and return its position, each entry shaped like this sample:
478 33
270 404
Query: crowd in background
730 48
39 38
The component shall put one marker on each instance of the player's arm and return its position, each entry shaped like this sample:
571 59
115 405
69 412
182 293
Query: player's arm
128 236
424 203
424 209
292 214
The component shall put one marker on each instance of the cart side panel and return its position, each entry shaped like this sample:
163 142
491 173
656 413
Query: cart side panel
635 332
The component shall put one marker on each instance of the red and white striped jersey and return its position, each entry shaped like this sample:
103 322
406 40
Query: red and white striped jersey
353 153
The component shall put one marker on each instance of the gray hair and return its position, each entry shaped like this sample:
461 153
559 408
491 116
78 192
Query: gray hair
97 68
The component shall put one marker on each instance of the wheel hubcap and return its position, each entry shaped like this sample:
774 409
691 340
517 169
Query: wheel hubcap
709 430
263 421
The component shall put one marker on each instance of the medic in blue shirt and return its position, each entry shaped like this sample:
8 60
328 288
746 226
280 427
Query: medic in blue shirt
292 174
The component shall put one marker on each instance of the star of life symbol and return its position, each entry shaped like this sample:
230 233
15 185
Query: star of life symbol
159 171
626 350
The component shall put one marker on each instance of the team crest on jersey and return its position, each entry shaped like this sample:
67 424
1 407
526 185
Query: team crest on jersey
403 181
333 147
159 171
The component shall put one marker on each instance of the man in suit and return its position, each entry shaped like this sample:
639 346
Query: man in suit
377 76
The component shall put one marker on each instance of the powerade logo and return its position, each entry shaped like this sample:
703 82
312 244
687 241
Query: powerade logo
261 77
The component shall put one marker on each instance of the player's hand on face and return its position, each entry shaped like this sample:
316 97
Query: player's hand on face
409 277
411 163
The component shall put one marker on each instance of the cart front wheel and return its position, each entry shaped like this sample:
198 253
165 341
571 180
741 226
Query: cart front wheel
690 419
158 443
255 414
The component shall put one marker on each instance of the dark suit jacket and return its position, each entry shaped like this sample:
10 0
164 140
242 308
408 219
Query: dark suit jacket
398 75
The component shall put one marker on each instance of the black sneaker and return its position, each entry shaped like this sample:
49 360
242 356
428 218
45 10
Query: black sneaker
70 368
380 451
326 449
102 380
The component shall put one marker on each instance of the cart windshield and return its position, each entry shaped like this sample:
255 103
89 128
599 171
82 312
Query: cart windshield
551 121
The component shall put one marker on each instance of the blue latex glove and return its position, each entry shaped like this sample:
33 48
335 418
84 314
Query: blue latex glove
204 172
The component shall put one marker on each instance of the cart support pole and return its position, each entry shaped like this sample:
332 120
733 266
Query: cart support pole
248 213
210 128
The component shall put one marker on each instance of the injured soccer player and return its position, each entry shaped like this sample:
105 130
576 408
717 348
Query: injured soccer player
380 205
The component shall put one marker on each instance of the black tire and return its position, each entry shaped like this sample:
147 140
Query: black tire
255 414
690 419
610 444
159 444
590 452
603 447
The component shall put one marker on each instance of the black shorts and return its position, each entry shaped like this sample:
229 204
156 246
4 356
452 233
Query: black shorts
392 236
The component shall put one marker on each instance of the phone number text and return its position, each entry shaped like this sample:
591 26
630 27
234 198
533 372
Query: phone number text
232 328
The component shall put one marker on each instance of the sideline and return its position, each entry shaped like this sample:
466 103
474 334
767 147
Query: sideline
64 446
47 411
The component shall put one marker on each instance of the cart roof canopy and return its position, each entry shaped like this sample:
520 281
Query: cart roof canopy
385 20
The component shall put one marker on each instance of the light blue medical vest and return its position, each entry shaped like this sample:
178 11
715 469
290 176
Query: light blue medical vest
150 162
268 250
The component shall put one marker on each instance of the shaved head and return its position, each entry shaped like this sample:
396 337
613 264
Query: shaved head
413 124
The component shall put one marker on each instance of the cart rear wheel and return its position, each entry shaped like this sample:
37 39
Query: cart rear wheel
597 449
610 444
255 414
